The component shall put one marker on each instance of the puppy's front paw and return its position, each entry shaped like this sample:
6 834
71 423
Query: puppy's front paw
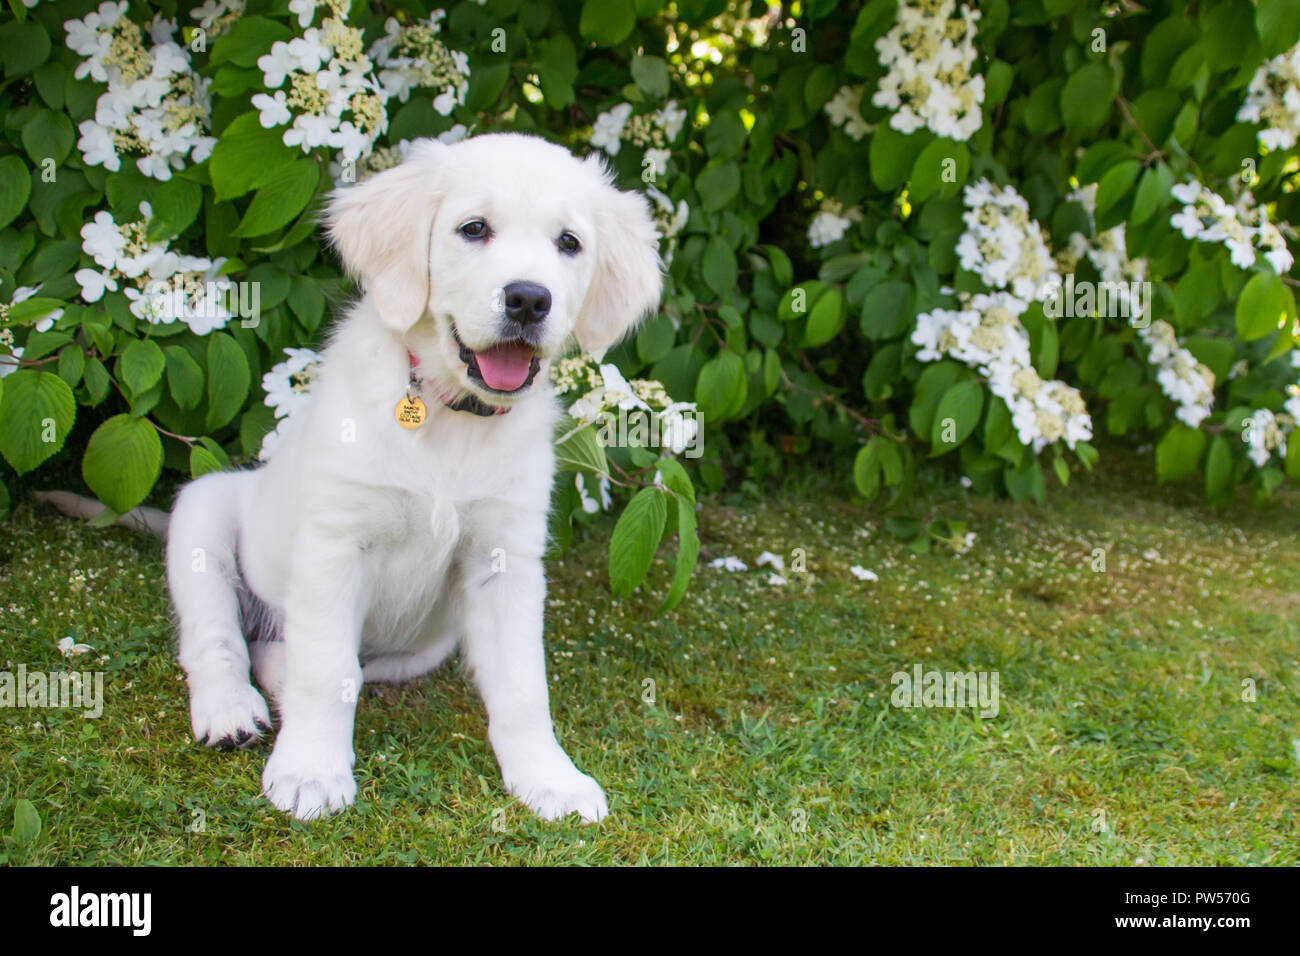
308 785
553 793
228 716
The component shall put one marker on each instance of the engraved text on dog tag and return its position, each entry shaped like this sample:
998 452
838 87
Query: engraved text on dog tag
410 412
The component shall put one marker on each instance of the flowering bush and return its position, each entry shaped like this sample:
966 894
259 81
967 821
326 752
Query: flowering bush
907 237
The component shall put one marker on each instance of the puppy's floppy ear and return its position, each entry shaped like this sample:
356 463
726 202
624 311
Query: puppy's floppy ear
382 229
628 280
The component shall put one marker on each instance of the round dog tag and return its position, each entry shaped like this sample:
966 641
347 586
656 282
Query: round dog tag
410 412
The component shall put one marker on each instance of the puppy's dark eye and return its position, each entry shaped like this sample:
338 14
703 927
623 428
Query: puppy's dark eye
475 230
569 243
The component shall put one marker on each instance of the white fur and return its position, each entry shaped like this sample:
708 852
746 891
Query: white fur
365 551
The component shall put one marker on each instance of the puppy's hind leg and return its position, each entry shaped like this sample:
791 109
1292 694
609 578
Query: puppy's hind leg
203 574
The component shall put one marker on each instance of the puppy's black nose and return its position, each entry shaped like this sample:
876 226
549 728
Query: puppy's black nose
527 302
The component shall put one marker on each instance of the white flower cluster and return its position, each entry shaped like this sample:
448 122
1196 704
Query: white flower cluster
605 393
1267 433
930 53
387 157
590 504
413 56
1273 101
156 107
987 335
287 386
1182 378
327 75
653 132
1242 226
831 222
1107 251
1003 245
165 285
844 111
668 219
216 17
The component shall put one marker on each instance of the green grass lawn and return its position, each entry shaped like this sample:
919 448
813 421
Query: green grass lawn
771 737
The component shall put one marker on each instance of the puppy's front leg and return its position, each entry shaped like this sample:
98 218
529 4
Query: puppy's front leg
309 773
502 643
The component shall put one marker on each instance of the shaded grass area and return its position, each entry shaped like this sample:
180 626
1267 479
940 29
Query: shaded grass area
1122 735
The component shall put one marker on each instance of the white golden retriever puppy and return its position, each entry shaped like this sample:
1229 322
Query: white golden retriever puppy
372 544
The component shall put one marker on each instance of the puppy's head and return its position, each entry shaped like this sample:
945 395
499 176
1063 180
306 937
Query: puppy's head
489 255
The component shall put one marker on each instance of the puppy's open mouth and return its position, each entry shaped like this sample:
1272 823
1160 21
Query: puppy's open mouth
505 367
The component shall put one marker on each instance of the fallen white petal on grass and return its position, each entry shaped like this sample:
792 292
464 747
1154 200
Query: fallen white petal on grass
862 574
775 561
729 563
775 580
70 648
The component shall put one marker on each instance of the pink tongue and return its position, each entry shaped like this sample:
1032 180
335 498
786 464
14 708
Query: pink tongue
505 367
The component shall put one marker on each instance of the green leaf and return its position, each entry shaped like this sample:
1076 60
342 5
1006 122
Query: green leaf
956 416
1218 470
175 205
930 389
228 380
582 451
1263 307
37 307
1026 484
122 461
800 299
688 538
72 363
718 185
48 135
280 198
722 387
887 310
782 269
1087 96
891 156
1179 453
943 165
202 461
24 45
247 39
826 318
1293 459
27 823
15 187
141 365
719 266
866 469
97 381
247 156
1116 183
1278 24
635 540
651 74
184 377
307 302
1043 108
37 410
655 339
607 22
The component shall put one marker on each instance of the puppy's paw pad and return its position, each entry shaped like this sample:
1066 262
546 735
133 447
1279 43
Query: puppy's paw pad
556 798
308 794
229 717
